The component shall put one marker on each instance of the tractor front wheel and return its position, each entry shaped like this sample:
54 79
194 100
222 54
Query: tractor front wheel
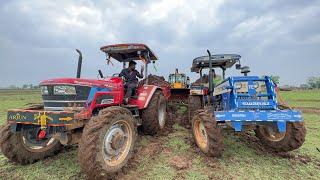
290 140
207 134
155 115
24 147
107 143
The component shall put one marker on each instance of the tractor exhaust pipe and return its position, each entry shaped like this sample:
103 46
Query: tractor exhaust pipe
210 74
79 64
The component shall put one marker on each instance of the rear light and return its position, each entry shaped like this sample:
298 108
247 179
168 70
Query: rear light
42 134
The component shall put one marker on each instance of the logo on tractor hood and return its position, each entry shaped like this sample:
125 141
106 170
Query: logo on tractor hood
17 117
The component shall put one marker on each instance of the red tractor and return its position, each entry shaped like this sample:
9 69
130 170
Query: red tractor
91 113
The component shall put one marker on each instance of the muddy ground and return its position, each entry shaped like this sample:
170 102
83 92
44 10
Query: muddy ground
184 161
173 154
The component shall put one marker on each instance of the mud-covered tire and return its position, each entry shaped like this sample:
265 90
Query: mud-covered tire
207 135
194 104
293 138
91 151
13 147
154 117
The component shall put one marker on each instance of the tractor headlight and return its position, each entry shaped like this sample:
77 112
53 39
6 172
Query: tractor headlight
64 90
256 85
238 85
44 90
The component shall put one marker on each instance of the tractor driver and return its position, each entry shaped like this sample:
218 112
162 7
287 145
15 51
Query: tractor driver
131 76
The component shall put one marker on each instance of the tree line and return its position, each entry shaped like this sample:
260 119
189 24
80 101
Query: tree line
24 86
312 83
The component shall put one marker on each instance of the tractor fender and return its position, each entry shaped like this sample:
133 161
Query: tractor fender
145 94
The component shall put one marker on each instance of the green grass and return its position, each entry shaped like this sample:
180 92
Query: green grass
10 99
309 98
62 166
154 157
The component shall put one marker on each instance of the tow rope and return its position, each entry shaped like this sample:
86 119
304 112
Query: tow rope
281 100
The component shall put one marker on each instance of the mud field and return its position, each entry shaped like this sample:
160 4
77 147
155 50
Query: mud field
173 154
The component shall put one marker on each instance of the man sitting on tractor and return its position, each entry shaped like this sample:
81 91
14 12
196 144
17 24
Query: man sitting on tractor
130 75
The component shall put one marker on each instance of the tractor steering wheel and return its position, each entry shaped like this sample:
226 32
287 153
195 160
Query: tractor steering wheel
116 75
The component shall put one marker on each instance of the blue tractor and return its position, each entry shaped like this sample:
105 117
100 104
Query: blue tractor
242 103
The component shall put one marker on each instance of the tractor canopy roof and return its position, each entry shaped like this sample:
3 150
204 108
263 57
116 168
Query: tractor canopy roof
218 60
129 52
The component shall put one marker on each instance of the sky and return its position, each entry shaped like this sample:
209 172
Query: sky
38 38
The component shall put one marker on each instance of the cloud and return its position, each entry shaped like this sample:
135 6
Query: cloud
269 35
255 26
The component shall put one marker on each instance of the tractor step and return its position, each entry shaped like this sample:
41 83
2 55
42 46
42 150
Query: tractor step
128 106
133 108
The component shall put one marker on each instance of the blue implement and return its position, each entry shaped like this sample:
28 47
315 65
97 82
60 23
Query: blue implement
248 117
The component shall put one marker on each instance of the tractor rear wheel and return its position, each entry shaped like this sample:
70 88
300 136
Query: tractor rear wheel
195 103
107 143
24 147
207 134
155 115
292 139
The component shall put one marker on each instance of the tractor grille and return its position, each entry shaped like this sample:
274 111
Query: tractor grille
59 102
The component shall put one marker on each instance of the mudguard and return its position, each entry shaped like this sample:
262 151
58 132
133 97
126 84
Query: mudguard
144 95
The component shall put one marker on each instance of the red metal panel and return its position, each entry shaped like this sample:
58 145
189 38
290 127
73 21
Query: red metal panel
107 82
145 94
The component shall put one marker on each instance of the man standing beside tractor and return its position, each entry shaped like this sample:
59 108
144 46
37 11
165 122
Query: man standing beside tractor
131 76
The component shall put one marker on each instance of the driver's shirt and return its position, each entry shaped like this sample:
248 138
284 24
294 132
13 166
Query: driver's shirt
130 76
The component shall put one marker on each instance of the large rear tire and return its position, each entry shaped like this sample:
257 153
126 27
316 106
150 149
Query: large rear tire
24 147
107 143
292 139
154 117
207 134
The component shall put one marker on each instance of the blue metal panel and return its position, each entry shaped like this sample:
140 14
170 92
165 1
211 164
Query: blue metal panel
237 118
241 109
242 101
251 89
256 104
